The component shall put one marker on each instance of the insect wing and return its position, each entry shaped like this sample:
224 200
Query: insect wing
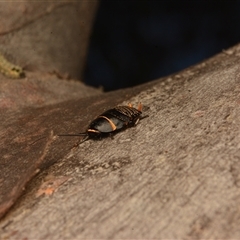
102 125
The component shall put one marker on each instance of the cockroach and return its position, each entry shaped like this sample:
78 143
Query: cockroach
111 121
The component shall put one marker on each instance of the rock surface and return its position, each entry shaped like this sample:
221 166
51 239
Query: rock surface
174 175
47 36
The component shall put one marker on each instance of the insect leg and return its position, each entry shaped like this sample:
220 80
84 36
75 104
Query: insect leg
142 117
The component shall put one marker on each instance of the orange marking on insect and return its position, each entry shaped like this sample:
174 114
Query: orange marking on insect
92 130
113 126
140 107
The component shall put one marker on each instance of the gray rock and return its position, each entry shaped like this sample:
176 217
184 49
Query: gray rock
174 175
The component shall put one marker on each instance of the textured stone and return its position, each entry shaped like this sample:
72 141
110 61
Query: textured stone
177 173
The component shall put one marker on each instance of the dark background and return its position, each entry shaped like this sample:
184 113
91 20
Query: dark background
137 41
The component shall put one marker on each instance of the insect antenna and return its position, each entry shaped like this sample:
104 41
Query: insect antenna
72 135
76 135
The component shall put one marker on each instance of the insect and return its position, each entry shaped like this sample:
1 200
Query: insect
111 122
9 69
